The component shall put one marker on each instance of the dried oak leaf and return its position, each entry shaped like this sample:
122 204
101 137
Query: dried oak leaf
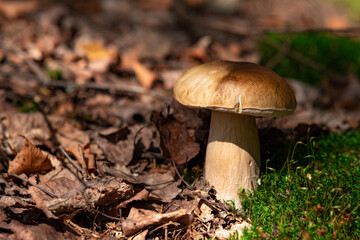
30 159
175 142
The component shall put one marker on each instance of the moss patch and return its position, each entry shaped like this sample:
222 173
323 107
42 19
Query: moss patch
315 195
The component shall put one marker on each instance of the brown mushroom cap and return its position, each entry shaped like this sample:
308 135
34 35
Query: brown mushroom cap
238 87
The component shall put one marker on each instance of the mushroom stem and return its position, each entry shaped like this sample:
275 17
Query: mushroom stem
232 154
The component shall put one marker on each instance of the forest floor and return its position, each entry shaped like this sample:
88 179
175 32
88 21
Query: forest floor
92 144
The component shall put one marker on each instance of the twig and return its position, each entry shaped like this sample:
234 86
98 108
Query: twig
48 123
78 229
105 215
70 160
179 175
120 87
32 65
53 195
165 225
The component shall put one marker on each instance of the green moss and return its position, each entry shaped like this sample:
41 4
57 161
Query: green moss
55 74
321 54
315 195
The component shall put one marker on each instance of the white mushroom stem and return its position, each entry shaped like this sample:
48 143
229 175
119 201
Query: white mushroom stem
232 155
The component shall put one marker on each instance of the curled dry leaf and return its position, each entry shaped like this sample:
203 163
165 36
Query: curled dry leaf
30 159
142 195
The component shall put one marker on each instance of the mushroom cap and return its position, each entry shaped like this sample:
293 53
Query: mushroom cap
239 87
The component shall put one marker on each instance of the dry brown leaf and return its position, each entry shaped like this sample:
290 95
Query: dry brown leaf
73 195
142 195
139 219
82 74
46 44
83 155
69 136
31 125
35 232
118 143
15 9
175 143
130 60
30 159
120 153
94 50
145 75
199 50
100 57
161 186
140 236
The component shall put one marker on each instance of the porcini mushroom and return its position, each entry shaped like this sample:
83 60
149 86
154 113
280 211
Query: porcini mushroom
235 92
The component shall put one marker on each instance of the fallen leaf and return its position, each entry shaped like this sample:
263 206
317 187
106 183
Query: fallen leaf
114 134
94 49
199 50
100 191
140 236
15 9
31 125
139 219
161 186
119 145
145 75
140 196
36 232
69 135
129 61
175 143
120 153
30 159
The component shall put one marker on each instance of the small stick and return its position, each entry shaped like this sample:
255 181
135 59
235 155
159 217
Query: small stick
105 215
83 163
163 226
108 86
182 179
70 160
53 195
32 65
82 159
166 232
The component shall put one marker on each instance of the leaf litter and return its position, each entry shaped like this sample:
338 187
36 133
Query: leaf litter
92 145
